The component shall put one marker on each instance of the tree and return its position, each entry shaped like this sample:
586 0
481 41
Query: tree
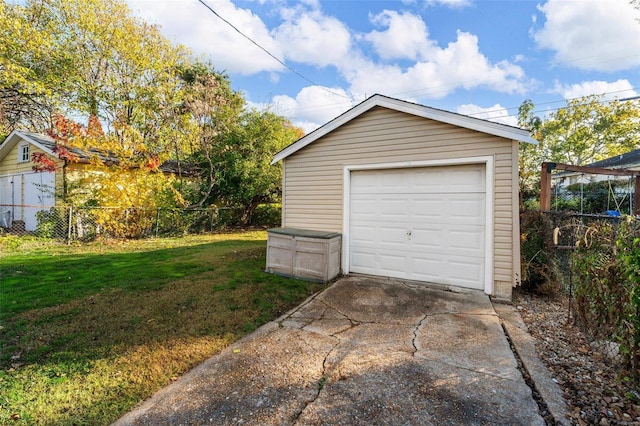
209 112
588 129
529 158
92 60
248 178
87 58
126 179
29 65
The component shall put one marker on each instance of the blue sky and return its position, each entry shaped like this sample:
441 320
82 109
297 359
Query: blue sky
476 57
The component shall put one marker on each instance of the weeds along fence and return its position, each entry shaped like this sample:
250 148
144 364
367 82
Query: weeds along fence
88 223
595 260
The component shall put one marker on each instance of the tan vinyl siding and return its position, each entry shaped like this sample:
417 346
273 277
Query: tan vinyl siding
313 176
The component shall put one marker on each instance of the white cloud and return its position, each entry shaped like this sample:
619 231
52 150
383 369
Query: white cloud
460 64
619 89
601 35
496 113
313 106
313 38
406 36
193 25
449 3
306 35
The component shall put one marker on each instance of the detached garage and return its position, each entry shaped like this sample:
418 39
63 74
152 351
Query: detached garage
417 193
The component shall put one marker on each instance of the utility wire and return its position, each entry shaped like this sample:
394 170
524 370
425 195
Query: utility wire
269 53
601 101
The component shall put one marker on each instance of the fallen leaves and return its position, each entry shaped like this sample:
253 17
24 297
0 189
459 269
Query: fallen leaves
586 373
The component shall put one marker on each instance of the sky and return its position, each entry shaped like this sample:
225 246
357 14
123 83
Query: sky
312 60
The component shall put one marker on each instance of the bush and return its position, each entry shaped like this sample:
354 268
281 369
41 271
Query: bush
628 244
267 215
606 265
538 265
52 223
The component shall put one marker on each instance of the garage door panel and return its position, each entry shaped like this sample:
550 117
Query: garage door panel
364 261
392 208
470 240
361 204
363 234
466 272
392 235
427 239
392 264
422 224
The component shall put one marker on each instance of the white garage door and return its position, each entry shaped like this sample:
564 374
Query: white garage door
425 224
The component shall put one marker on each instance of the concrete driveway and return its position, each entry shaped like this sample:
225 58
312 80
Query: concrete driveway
363 352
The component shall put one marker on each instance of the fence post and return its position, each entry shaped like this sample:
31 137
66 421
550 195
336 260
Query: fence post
157 221
69 224
636 196
545 186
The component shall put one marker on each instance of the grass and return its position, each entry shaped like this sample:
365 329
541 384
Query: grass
88 331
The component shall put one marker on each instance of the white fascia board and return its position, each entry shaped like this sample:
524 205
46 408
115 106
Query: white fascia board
484 126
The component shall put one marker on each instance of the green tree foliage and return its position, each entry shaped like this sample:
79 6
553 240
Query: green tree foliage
249 178
529 155
209 112
29 68
588 129
92 59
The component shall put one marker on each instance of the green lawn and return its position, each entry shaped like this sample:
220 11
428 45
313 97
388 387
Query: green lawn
88 331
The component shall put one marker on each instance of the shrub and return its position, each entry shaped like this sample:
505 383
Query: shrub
538 265
51 223
606 265
267 215
628 244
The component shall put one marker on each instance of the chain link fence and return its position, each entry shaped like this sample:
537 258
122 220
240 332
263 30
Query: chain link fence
88 223
600 197
594 260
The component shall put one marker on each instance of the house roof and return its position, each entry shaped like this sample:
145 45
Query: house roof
48 145
628 161
484 126
41 141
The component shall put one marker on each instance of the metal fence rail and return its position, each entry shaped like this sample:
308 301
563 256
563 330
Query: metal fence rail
88 223
582 251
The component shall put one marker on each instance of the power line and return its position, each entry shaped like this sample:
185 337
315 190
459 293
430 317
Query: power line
269 53
553 102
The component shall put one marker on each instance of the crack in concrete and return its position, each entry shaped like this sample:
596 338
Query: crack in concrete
353 324
321 383
415 334
289 314
473 370
329 306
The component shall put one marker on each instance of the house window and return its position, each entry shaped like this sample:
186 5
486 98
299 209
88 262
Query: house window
23 153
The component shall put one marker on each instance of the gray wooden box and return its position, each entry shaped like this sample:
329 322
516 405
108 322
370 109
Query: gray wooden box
303 253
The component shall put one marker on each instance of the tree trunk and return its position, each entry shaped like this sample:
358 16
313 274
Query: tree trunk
250 208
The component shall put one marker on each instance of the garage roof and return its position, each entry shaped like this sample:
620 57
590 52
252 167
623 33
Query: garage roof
484 126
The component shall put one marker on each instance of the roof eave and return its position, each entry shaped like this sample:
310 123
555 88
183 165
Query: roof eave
11 140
